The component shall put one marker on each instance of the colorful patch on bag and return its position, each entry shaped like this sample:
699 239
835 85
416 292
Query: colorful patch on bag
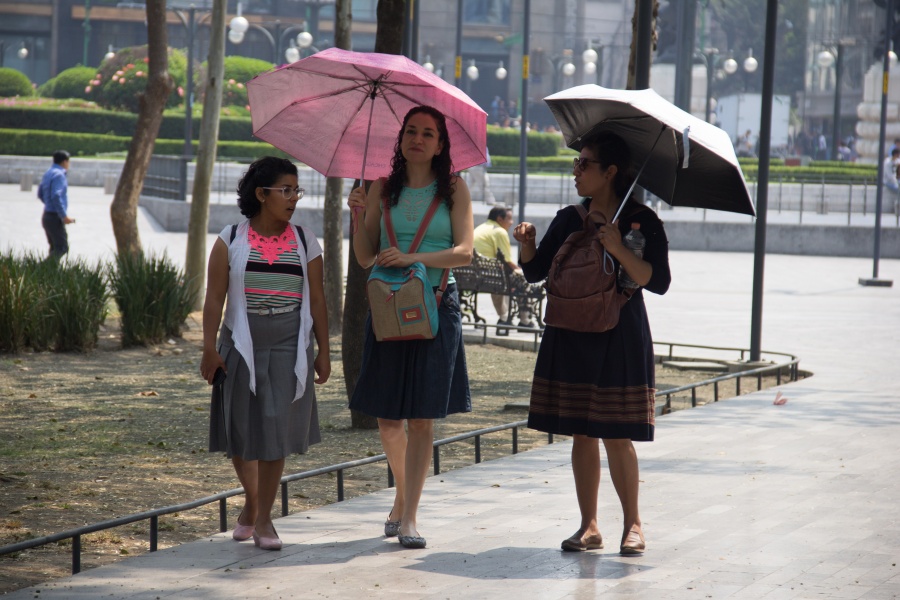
411 314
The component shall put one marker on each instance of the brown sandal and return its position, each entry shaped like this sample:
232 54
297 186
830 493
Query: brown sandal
579 542
633 542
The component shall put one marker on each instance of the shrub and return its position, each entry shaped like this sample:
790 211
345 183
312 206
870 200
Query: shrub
79 306
121 80
71 83
47 304
14 83
243 69
152 295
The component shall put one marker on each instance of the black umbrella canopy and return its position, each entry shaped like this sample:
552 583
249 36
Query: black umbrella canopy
661 134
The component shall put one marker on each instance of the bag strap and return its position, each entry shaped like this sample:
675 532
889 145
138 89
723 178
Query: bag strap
590 228
420 235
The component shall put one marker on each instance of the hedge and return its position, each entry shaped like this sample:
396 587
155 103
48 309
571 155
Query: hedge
500 141
503 141
20 142
107 122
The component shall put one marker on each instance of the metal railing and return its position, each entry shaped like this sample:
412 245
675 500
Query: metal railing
792 364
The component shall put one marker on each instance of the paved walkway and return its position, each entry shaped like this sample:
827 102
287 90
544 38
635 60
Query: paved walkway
740 499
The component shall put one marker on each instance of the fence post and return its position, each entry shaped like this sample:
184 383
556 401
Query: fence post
25 181
802 189
849 203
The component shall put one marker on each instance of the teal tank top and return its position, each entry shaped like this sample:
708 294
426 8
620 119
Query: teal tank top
406 217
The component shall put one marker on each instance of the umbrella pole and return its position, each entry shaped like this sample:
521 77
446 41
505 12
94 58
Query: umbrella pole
362 177
638 176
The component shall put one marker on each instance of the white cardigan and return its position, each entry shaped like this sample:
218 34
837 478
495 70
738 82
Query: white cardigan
236 306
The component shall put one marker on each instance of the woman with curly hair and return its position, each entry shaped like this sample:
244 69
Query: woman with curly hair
271 272
415 381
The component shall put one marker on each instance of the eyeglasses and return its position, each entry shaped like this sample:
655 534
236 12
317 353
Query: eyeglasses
581 163
288 191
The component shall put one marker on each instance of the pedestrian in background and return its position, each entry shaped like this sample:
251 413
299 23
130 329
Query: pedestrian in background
54 193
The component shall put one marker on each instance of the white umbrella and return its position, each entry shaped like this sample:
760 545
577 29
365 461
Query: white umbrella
684 160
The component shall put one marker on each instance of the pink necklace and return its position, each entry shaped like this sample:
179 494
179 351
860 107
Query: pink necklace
270 248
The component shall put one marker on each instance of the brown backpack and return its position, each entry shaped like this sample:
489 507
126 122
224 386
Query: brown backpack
581 285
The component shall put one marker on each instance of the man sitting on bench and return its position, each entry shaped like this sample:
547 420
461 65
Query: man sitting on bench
492 240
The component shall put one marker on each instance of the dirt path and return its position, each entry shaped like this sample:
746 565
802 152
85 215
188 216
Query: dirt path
87 438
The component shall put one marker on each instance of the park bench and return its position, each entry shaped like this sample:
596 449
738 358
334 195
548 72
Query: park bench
494 276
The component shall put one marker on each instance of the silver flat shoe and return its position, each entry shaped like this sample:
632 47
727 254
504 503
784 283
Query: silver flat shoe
391 528
412 541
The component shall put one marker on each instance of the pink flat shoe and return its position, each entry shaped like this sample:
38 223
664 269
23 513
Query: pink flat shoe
242 532
267 543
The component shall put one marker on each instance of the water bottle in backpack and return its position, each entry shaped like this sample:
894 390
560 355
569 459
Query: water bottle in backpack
634 240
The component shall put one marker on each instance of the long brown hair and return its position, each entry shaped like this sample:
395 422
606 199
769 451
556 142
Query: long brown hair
440 163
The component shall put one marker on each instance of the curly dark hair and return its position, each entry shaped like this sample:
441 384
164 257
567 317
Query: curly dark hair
611 149
440 164
262 172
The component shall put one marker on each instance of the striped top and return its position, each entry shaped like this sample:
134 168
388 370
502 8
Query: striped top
274 275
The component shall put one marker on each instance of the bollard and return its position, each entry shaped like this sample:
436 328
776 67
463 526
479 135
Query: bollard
25 181
109 184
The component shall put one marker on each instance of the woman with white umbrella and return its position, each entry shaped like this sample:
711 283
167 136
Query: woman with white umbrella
600 385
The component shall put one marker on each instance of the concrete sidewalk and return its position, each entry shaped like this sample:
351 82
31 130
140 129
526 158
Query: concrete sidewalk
740 499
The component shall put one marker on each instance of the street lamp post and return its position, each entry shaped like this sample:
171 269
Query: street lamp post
562 67
710 56
592 57
833 55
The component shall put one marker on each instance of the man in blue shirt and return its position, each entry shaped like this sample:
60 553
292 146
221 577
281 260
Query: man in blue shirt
54 193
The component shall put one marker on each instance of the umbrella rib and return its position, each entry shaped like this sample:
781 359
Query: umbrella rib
331 94
347 126
374 88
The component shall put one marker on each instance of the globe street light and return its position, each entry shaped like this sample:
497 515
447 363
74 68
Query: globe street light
110 54
592 58
501 72
23 52
292 54
428 65
304 39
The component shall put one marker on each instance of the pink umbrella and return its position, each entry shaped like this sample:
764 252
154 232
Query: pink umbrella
340 112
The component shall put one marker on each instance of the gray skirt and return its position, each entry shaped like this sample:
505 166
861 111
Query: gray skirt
266 425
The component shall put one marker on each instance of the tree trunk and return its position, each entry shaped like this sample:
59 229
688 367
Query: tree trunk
334 200
334 264
632 56
195 261
388 40
123 211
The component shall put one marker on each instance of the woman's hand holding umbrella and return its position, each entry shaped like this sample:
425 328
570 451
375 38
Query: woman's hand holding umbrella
611 238
357 204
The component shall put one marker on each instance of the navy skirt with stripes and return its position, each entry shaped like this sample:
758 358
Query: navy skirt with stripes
597 384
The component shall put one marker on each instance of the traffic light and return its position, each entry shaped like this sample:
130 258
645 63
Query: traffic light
879 48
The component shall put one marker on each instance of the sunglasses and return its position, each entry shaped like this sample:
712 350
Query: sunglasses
288 191
581 163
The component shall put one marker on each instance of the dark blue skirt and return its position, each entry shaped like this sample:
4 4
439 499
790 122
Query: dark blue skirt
416 379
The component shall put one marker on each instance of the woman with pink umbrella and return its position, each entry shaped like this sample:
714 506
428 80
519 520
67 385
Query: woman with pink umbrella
415 381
